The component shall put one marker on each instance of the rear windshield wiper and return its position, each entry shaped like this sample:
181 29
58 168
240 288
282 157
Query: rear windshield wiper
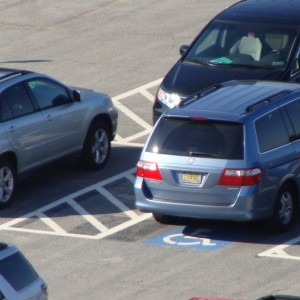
205 154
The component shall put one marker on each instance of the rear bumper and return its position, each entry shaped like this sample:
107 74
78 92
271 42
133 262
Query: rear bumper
244 209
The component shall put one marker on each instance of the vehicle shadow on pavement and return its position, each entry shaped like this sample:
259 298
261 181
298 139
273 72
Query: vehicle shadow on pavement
65 177
242 232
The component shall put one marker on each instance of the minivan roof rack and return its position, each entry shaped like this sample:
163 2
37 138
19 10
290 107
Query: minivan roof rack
267 100
200 94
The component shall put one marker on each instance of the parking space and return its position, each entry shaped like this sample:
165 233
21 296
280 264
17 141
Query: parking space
94 213
135 114
107 207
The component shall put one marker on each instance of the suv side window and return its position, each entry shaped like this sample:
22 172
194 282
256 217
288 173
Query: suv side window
271 131
48 94
18 277
16 102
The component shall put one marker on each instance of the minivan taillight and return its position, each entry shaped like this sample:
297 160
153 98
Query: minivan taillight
148 170
240 177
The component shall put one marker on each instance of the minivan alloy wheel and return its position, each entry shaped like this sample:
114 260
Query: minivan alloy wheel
284 211
286 208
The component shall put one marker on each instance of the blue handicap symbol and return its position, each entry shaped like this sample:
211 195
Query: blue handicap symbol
197 239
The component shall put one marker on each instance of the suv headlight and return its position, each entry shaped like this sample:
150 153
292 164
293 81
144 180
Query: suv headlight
171 100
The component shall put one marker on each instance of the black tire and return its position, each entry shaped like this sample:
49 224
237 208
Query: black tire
97 146
165 219
8 183
284 211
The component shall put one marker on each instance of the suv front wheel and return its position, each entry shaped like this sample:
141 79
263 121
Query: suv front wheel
285 208
97 146
8 182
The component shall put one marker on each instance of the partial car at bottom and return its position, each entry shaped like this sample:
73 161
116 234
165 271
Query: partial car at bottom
230 152
43 119
18 278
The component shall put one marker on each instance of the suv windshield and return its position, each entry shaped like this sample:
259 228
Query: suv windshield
186 137
17 271
243 44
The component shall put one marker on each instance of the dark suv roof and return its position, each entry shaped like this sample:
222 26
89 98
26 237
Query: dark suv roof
264 11
233 99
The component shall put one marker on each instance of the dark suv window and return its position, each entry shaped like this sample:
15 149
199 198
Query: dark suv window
185 137
48 94
271 131
16 102
17 271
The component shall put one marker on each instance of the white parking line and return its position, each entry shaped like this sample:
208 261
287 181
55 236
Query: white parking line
278 251
137 90
55 229
144 92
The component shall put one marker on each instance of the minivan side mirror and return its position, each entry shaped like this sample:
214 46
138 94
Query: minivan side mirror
76 96
183 49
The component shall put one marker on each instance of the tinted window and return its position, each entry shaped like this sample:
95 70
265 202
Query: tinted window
293 110
18 101
271 131
197 138
6 113
48 94
17 271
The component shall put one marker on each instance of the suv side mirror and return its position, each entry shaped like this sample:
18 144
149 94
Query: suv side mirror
76 96
183 49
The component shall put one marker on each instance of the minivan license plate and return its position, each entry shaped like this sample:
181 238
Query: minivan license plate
190 177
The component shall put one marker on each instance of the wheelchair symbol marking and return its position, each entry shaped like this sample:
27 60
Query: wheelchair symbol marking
187 240
194 239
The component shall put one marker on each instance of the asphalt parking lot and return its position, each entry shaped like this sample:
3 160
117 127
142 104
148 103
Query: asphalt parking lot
80 229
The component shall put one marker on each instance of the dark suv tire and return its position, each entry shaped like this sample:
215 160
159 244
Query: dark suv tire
284 211
97 146
8 182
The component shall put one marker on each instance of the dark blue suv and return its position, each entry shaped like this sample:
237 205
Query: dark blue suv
252 39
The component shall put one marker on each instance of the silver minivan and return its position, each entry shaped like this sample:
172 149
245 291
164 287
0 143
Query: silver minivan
230 152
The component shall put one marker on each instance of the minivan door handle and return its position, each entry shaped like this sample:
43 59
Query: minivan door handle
49 118
11 128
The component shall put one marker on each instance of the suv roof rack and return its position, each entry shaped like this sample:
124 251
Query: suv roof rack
267 100
6 73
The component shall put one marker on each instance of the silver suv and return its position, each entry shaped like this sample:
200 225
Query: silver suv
43 119
18 278
230 152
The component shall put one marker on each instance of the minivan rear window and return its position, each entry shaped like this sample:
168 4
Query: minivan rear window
201 138
17 270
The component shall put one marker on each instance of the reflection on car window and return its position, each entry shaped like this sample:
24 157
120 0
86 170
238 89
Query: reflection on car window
16 102
17 270
271 131
243 43
175 136
293 110
48 94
